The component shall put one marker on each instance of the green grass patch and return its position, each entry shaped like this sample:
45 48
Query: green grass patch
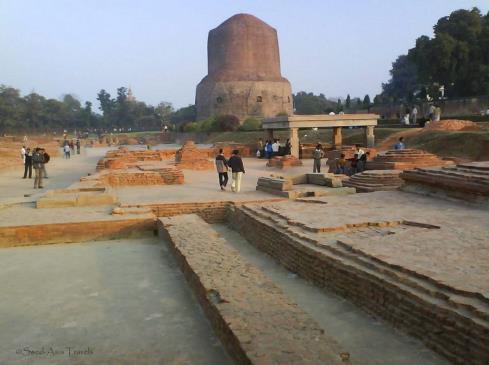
450 144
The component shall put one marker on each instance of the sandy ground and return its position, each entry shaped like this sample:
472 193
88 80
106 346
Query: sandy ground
122 301
61 173
17 209
204 185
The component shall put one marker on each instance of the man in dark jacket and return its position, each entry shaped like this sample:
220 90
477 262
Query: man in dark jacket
222 169
28 163
38 164
236 164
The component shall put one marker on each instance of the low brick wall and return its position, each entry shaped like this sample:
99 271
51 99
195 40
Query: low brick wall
254 319
460 338
41 234
211 212
164 176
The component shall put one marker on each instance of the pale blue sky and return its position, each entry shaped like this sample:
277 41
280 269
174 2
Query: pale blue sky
159 47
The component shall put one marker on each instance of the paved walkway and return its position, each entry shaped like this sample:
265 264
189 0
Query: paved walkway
124 301
61 173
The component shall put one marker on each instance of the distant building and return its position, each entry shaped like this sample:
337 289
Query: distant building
244 77
130 96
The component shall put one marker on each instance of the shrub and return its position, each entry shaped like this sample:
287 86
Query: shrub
251 124
227 122
208 125
191 127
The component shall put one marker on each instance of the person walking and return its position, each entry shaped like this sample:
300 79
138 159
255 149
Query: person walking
236 164
66 150
222 169
28 163
317 155
78 145
37 164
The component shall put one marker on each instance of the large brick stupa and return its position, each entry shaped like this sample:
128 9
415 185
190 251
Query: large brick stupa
244 76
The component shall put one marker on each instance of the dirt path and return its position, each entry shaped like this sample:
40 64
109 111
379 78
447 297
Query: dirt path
388 143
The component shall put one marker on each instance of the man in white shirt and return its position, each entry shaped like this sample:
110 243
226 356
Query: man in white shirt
275 147
22 154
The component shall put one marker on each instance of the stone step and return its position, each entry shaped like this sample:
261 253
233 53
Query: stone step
409 279
255 320
453 323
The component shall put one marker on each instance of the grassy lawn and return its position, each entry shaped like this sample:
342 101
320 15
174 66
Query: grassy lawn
450 144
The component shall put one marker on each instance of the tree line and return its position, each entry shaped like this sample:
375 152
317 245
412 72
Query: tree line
36 113
453 63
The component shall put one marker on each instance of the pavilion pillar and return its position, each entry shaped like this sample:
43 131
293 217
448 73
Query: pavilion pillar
337 138
294 141
270 134
369 136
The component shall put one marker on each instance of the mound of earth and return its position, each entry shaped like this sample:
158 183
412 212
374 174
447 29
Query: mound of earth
453 125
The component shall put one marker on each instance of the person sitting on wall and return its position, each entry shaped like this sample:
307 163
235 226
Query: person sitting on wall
354 164
400 144
341 165
362 163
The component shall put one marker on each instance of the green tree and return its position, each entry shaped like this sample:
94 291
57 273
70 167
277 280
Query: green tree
308 103
348 102
366 102
339 106
457 57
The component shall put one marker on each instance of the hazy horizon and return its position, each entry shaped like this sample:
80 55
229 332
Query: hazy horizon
159 49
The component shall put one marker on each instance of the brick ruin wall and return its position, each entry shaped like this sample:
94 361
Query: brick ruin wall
73 232
211 212
457 338
169 176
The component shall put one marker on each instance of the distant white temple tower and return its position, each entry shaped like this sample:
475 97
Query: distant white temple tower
130 96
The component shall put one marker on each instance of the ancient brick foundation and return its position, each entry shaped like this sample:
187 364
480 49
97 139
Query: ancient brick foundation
211 212
375 180
192 158
283 162
43 234
468 181
134 177
458 331
255 321
405 160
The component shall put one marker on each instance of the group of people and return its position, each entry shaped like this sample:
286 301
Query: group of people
235 164
341 165
273 148
69 147
411 115
37 160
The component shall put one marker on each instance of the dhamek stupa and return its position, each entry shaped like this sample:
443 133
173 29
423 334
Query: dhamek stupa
244 76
